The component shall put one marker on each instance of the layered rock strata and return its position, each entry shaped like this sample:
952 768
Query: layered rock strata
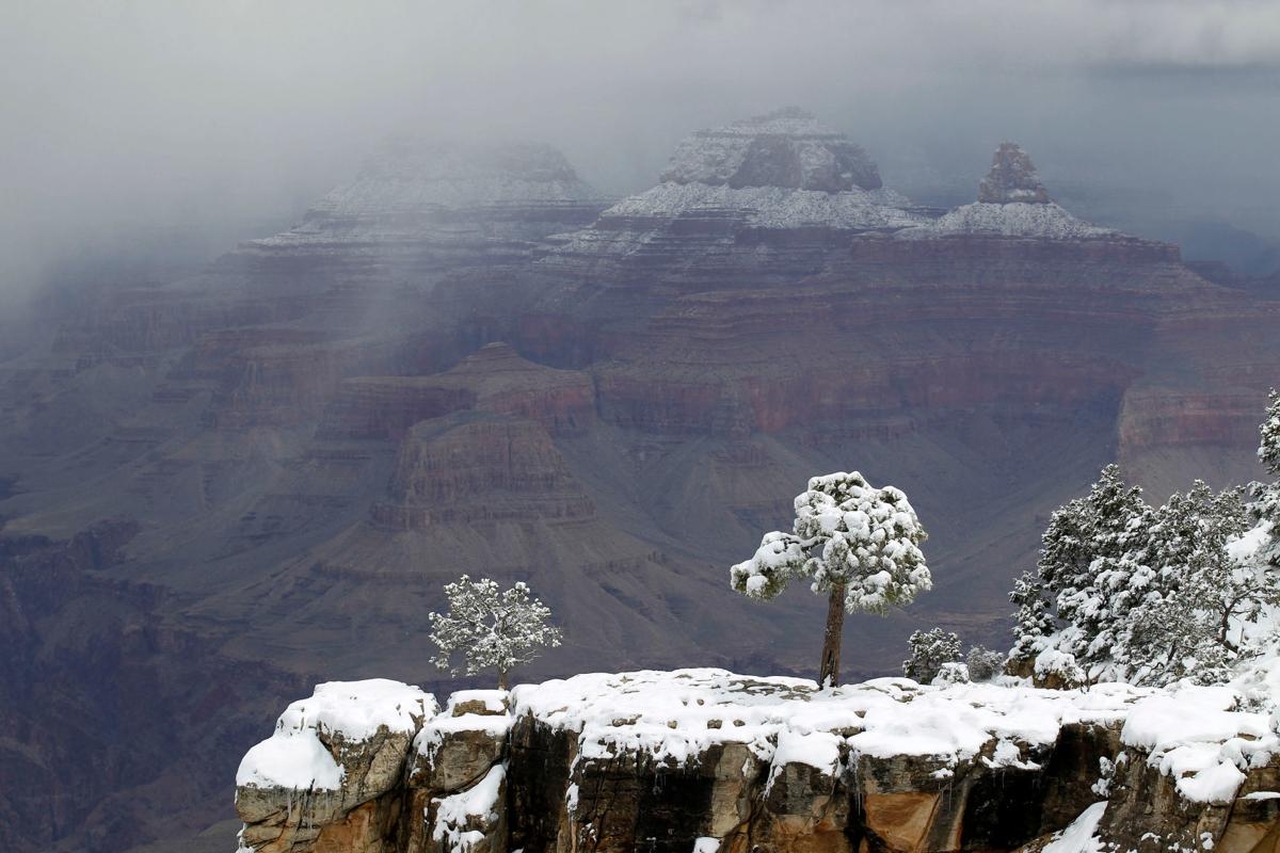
704 760
760 199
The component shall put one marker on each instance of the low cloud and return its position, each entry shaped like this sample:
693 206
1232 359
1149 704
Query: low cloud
138 116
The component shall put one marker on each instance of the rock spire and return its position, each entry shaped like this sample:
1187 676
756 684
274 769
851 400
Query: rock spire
1013 178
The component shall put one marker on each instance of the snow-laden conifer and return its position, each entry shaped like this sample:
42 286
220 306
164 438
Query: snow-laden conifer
984 664
1126 591
490 628
929 651
857 543
1269 432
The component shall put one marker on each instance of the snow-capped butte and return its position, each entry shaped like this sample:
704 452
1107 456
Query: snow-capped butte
776 172
414 189
1012 202
1013 178
772 207
786 148
409 175
788 171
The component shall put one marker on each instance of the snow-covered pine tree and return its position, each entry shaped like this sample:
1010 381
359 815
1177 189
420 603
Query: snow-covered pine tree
1148 595
929 651
1035 619
859 544
984 664
1083 557
1264 506
1269 432
1071 599
490 628
1184 609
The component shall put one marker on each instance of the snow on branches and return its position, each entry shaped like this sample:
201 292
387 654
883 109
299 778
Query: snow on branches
1269 432
930 650
847 534
490 629
1126 591
858 544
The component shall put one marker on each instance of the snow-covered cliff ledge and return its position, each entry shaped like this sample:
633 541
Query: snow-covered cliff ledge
704 759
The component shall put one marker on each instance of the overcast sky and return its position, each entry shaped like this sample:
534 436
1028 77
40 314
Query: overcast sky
211 119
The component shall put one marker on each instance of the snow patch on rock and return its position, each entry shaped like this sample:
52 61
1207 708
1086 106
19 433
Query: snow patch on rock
1081 836
476 701
298 755
1016 219
459 817
438 728
1198 736
771 207
674 717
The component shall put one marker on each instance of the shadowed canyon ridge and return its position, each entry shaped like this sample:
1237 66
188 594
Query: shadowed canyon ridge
468 360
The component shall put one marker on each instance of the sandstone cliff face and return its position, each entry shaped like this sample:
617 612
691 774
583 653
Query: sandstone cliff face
703 760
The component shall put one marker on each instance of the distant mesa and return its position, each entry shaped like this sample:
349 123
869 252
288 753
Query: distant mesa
787 148
416 191
1012 202
409 173
783 171
1013 178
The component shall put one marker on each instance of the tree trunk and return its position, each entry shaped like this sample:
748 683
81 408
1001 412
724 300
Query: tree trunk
829 672
502 679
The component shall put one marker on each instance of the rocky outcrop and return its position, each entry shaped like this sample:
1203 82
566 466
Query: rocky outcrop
704 760
1013 178
321 782
457 778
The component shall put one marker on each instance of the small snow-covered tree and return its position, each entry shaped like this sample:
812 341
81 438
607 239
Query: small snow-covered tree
929 651
860 546
490 628
984 663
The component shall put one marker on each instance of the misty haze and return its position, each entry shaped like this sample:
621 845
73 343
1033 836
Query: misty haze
380 353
